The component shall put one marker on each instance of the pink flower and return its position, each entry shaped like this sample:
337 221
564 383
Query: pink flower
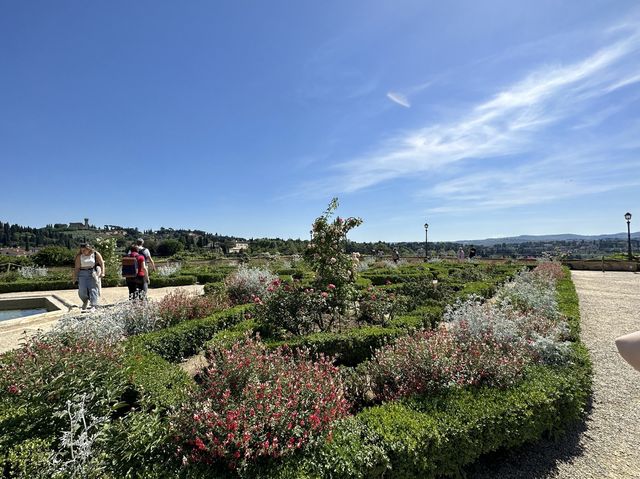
331 286
325 294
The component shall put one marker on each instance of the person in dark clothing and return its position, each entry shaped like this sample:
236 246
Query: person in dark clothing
472 252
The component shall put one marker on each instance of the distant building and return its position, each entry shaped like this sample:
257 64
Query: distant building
239 247
80 226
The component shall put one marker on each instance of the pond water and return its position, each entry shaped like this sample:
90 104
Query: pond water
20 313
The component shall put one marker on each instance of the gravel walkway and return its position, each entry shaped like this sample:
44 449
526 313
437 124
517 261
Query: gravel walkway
607 445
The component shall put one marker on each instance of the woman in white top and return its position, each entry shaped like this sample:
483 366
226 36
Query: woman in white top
89 268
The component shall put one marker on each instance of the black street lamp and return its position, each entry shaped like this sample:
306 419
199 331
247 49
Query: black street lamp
426 251
627 217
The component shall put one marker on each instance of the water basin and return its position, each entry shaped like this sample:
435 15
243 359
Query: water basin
20 313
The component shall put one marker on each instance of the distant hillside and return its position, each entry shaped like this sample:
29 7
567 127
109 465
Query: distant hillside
548 238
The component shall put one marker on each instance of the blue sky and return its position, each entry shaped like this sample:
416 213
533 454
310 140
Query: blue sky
491 118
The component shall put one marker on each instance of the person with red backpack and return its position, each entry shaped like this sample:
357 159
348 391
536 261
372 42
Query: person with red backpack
134 270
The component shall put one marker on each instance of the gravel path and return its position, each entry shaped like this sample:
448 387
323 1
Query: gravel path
607 445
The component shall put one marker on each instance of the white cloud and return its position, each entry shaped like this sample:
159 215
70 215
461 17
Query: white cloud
399 98
506 124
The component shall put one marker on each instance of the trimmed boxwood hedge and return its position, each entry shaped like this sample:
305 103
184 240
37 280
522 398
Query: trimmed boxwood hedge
210 277
164 281
157 383
43 285
187 338
439 435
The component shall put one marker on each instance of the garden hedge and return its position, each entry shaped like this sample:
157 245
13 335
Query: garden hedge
156 382
164 281
43 285
187 338
439 435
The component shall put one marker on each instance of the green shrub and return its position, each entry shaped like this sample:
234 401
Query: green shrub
189 337
157 383
48 285
210 277
478 288
37 380
430 313
352 453
55 256
138 446
26 459
349 348
568 304
228 337
164 281
214 288
442 434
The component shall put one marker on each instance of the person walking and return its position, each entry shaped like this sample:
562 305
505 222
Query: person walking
460 254
135 274
147 256
87 274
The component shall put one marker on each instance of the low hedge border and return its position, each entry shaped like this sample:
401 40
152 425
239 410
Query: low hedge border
187 338
156 382
165 281
568 303
21 285
441 435
108 282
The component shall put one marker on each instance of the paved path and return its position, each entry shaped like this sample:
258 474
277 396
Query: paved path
607 445
11 337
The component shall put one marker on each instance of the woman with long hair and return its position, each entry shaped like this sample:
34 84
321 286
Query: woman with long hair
88 271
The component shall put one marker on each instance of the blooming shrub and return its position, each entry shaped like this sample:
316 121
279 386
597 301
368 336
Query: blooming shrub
46 373
377 306
258 404
31 272
168 269
530 292
550 270
434 360
327 257
245 284
541 337
179 306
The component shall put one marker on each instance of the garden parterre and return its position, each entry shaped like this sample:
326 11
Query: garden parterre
142 418
402 372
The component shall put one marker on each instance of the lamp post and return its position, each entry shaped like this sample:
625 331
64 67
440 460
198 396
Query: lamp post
627 217
426 251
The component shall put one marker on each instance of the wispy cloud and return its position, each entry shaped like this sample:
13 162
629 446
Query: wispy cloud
399 98
508 123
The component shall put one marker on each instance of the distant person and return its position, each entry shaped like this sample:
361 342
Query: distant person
134 270
460 254
395 256
472 253
147 256
87 274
